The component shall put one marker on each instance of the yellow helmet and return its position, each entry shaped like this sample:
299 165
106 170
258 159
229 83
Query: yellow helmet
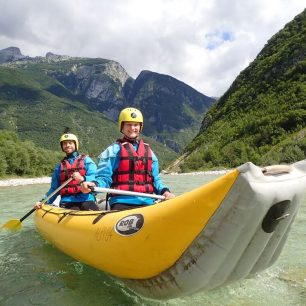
132 115
69 136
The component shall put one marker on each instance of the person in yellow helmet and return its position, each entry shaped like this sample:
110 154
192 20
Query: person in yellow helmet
129 164
78 166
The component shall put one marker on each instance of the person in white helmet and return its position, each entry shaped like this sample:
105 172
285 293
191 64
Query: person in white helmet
129 164
78 166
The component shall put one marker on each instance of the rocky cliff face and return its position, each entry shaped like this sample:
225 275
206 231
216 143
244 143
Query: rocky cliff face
99 83
10 54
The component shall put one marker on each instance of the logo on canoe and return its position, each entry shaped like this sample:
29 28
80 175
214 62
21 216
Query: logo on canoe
129 225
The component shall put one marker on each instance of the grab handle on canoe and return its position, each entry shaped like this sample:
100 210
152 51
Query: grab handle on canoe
276 169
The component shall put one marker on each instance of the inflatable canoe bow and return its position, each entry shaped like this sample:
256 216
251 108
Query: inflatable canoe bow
220 232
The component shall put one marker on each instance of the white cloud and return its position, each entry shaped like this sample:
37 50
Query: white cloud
202 43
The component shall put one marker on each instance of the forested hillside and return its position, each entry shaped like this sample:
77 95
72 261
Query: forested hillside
262 116
24 158
31 111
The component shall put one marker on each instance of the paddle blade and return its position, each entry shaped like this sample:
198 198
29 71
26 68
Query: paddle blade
13 225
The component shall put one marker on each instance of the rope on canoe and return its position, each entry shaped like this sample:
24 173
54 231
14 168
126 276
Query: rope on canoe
78 213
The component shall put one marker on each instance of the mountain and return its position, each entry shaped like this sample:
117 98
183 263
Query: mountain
262 116
173 109
30 109
40 96
103 86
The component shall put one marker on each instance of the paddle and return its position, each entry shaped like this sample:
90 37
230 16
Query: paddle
15 224
125 192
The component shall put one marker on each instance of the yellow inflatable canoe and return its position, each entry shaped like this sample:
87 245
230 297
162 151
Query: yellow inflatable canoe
223 231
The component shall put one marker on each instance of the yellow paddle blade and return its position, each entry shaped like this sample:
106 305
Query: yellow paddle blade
14 225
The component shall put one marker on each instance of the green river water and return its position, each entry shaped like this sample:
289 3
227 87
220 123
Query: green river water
32 272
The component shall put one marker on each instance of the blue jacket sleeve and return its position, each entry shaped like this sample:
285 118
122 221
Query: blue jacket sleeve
159 186
91 169
108 162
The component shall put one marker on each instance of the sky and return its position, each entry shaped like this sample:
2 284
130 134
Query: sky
203 43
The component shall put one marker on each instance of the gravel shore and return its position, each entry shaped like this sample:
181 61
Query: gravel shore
47 180
216 172
25 181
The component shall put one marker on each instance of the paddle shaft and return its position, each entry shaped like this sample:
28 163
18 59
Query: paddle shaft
130 193
47 198
28 214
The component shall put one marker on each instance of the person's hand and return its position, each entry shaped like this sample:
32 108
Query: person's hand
168 195
78 177
38 205
85 186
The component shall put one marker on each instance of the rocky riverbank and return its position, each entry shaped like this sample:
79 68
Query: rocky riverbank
24 181
214 172
47 180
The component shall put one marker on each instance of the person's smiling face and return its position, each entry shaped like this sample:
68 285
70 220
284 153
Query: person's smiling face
131 129
68 146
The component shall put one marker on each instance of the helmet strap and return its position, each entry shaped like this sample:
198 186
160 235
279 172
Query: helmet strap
128 139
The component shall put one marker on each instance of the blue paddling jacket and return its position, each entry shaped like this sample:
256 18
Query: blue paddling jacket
90 168
109 161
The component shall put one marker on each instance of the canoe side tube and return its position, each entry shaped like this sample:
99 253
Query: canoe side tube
244 236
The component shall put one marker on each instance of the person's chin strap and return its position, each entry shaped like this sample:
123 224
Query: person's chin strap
131 140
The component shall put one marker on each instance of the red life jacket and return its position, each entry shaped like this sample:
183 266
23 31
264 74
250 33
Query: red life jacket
66 171
135 168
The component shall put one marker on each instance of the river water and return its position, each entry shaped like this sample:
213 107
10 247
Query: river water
32 272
